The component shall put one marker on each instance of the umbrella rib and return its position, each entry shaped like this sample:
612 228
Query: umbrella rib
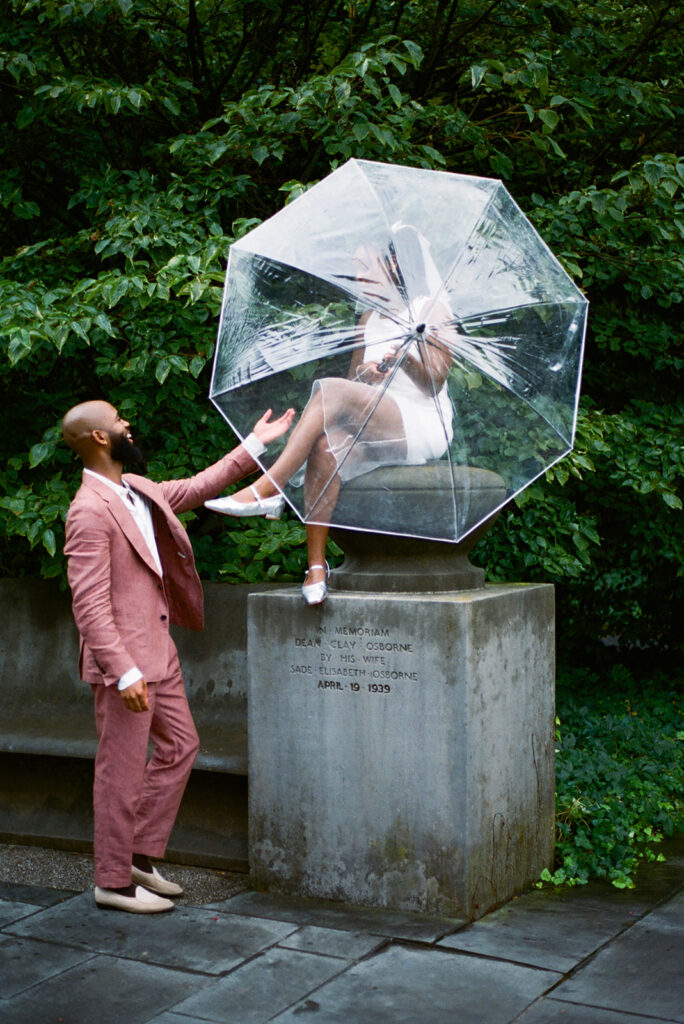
423 341
521 305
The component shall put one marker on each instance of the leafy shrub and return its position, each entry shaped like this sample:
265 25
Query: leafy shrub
258 551
619 773
140 139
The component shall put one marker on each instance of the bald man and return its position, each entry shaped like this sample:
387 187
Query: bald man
132 573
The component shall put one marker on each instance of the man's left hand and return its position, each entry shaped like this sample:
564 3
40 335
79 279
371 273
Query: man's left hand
268 430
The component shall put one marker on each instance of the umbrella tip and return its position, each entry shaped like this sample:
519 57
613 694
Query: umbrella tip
420 328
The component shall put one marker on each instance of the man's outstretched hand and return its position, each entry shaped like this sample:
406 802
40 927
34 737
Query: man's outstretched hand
267 429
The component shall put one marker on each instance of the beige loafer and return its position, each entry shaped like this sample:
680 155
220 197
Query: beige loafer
143 902
153 881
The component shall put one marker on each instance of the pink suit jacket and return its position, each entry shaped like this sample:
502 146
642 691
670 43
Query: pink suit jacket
122 606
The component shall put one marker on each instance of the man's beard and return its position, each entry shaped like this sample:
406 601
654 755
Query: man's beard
125 452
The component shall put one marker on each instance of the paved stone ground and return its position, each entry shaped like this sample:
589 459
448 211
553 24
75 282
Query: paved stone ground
589 955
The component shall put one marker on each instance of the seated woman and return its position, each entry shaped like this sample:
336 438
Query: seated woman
392 409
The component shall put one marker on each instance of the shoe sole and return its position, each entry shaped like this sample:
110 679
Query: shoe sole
131 910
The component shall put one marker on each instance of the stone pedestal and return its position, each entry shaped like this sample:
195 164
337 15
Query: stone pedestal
401 747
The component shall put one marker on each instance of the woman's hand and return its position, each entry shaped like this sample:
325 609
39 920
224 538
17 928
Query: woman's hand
369 373
268 430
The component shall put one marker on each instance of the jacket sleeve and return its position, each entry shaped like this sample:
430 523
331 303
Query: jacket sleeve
195 490
89 572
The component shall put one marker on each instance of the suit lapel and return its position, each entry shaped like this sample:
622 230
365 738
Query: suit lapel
166 523
123 517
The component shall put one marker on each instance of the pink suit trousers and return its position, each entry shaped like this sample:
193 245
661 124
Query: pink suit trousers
135 801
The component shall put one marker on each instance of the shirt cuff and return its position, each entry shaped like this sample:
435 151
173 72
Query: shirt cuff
253 446
130 677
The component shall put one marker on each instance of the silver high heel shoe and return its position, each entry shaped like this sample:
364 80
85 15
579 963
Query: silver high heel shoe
269 508
316 593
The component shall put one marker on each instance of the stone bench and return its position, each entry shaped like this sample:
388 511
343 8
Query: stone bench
48 738
47 710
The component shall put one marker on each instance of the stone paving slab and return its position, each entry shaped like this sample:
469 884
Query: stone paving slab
546 929
24 963
333 942
176 1018
328 914
103 990
192 938
260 989
11 912
550 1011
640 972
38 895
404 985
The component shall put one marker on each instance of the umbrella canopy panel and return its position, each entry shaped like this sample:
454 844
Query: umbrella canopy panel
484 331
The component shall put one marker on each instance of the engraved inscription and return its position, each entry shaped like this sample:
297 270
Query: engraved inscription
355 660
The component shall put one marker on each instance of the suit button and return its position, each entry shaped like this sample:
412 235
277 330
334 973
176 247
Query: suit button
163 618
160 586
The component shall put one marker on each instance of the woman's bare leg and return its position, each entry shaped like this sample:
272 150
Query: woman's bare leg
346 402
321 476
316 541
303 438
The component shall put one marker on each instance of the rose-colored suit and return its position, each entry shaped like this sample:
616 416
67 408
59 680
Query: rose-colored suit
123 609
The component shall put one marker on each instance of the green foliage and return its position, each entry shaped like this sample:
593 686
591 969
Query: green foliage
140 139
258 552
619 773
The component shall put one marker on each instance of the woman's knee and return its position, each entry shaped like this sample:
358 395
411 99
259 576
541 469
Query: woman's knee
341 397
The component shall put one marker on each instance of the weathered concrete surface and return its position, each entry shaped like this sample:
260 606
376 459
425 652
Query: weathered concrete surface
39 656
401 747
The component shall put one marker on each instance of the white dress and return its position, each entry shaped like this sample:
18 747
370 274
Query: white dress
427 424
424 420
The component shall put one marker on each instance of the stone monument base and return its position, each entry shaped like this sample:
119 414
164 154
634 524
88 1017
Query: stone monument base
401 747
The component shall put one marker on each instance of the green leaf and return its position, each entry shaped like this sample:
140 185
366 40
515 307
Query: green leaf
395 94
162 370
25 117
39 452
652 173
477 73
557 149
549 117
197 364
172 105
19 347
434 155
414 51
259 153
102 321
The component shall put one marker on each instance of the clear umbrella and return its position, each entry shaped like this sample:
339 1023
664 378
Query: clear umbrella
431 327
